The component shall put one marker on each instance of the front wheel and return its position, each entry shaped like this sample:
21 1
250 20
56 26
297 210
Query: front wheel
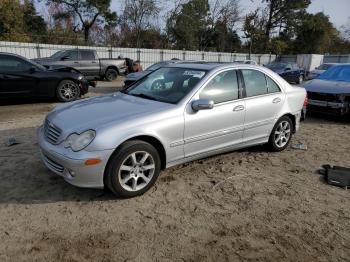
67 91
281 134
133 169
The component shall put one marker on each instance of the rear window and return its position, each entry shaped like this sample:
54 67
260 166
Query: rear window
87 55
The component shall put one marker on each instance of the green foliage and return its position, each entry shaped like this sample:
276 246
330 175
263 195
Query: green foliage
316 34
20 22
187 28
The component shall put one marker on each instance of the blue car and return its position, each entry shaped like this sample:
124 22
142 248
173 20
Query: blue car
291 72
133 77
330 92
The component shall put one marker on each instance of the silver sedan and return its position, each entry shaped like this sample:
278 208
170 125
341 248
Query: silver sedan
174 115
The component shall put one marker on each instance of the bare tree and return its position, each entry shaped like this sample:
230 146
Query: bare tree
138 15
88 12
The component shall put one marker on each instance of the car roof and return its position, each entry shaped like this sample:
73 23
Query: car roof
208 66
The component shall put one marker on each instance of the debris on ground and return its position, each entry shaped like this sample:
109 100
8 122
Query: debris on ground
11 142
300 146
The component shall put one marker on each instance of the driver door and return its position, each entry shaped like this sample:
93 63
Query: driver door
220 127
15 76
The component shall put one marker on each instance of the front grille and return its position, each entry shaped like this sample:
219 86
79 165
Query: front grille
53 165
52 133
322 97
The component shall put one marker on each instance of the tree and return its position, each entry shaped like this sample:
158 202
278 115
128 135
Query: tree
11 21
283 14
87 13
187 25
33 23
316 34
253 29
136 18
20 22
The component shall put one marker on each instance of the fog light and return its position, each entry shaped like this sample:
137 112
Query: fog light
71 173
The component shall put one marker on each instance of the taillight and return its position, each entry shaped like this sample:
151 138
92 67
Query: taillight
306 101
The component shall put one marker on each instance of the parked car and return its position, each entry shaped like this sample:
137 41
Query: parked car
87 62
291 72
330 92
133 77
320 70
20 77
174 115
247 62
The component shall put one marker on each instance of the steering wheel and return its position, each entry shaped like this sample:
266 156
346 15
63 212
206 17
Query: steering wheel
158 85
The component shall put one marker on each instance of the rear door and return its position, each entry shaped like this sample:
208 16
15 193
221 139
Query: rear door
220 127
15 76
89 63
263 101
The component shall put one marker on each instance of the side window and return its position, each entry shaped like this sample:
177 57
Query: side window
87 55
72 55
255 83
272 87
222 88
13 64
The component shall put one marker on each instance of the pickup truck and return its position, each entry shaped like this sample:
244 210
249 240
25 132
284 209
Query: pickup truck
87 62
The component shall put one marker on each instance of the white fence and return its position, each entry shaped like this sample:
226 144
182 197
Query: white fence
146 56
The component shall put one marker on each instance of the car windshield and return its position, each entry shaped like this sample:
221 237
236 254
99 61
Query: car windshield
337 73
324 67
276 66
57 54
169 85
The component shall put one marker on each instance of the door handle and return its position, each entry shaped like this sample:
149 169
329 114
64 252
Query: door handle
238 108
276 100
76 62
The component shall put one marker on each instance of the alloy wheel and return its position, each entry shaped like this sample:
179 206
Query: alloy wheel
136 171
68 91
282 134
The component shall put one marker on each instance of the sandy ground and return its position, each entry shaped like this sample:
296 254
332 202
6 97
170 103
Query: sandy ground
250 205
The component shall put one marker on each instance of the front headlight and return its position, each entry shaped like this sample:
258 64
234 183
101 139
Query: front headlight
78 142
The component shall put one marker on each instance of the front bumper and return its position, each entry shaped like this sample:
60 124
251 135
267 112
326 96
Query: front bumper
71 165
330 107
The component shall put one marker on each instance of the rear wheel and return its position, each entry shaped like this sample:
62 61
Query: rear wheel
133 169
111 74
67 91
281 134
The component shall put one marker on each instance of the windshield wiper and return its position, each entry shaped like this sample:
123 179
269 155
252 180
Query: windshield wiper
143 96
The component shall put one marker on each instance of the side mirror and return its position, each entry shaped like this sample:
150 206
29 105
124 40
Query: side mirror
287 69
63 58
202 104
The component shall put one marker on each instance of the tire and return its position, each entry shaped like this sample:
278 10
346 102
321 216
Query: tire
281 134
300 79
133 169
111 74
67 91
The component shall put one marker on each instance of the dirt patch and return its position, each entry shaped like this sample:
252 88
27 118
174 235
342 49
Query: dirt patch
250 205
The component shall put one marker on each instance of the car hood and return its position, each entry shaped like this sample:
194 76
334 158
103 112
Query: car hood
43 60
137 75
317 72
328 87
94 113
278 71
